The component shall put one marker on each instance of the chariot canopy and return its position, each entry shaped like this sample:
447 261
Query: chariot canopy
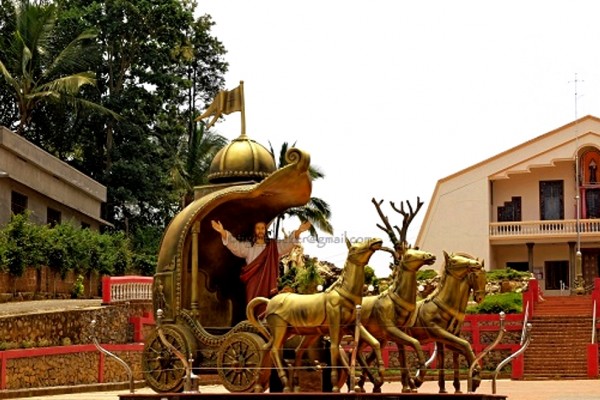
195 271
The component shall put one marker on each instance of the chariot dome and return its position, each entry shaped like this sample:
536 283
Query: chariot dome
241 160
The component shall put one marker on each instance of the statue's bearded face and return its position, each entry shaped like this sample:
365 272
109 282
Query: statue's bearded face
260 231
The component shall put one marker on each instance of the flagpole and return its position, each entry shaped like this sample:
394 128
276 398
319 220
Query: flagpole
243 110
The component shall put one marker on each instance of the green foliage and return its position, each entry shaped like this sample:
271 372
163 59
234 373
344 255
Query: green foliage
287 280
302 280
424 274
26 244
78 288
510 303
63 248
308 278
27 344
370 277
159 70
68 249
507 273
144 264
8 345
36 68
317 211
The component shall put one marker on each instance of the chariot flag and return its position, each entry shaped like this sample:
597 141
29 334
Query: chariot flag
225 102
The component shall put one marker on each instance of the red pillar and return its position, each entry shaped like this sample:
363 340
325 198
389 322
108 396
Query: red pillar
518 365
592 360
101 360
106 290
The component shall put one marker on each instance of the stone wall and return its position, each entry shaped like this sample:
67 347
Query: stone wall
52 370
72 358
71 326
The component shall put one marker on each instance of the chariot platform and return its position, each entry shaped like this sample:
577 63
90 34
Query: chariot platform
313 396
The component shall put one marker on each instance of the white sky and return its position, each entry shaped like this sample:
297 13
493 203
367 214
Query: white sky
388 97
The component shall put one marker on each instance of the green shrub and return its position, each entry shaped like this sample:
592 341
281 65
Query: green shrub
65 247
8 345
506 273
510 303
27 344
43 342
78 288
26 244
424 274
308 278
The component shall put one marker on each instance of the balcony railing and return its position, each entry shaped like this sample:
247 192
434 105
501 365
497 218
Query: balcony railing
126 288
566 228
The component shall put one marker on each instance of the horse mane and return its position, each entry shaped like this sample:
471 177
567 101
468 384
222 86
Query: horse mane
438 288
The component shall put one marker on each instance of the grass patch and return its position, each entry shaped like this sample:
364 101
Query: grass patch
510 303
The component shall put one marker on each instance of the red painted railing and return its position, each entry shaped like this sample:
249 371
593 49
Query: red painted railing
62 350
592 349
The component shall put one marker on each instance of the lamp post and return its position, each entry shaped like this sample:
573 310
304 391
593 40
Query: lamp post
578 282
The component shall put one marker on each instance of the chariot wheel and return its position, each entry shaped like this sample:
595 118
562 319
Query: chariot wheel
243 364
163 370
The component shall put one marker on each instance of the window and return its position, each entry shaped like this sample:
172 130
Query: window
53 217
511 211
85 225
18 203
551 200
592 203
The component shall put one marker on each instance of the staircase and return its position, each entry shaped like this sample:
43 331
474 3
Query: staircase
561 331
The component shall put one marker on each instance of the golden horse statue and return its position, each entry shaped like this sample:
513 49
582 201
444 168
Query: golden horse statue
387 315
440 316
332 313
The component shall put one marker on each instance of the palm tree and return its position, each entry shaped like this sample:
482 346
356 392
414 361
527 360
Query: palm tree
36 71
316 211
193 159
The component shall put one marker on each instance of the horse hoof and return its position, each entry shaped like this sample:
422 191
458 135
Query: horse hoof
377 389
458 392
443 391
418 382
258 388
406 390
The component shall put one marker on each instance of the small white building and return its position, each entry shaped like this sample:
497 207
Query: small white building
54 192
520 208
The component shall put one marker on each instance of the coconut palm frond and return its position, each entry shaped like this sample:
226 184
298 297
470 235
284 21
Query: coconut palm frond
71 84
73 57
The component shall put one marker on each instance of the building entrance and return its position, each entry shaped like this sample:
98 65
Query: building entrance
557 276
590 265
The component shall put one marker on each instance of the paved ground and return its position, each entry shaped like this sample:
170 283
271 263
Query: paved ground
43 306
514 390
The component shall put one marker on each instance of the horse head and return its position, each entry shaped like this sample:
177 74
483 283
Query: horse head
464 266
360 252
459 265
413 259
478 282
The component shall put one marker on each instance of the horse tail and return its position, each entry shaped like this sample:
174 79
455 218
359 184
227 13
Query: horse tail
250 314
